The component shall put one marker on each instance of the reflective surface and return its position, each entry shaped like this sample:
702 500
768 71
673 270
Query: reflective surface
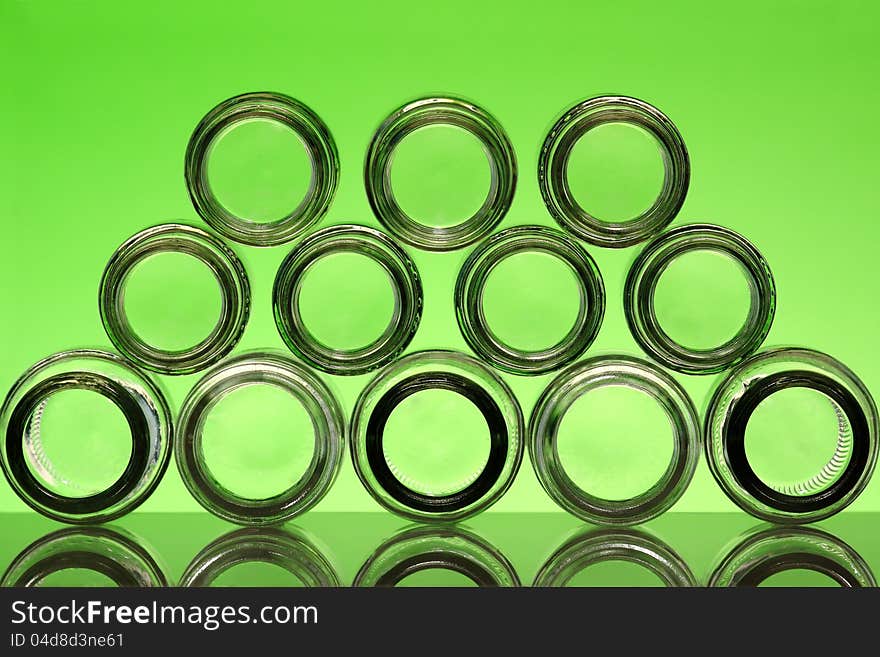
330 549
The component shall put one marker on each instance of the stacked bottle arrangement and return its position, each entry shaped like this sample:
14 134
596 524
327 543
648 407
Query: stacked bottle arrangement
752 375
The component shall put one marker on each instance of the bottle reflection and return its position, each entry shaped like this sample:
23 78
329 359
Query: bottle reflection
792 556
599 558
257 556
85 556
436 556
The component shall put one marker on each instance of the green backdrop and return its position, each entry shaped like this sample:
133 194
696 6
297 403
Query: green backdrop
776 102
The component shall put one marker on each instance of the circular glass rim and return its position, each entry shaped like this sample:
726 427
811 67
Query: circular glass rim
763 553
406 285
214 254
329 432
641 283
316 139
140 400
557 149
421 548
446 111
114 553
470 287
614 370
747 385
290 549
594 546
449 370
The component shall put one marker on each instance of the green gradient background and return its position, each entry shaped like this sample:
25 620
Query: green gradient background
777 103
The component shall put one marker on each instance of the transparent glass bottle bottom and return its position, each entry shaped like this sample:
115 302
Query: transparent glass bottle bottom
553 170
224 265
845 475
436 370
470 286
430 111
311 131
31 471
319 403
641 283
406 286
580 379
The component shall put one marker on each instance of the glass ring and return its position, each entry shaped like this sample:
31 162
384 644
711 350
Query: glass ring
425 548
224 265
471 284
641 283
406 286
316 139
290 550
598 546
557 149
839 482
447 111
436 370
580 379
768 552
109 552
29 469
291 377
